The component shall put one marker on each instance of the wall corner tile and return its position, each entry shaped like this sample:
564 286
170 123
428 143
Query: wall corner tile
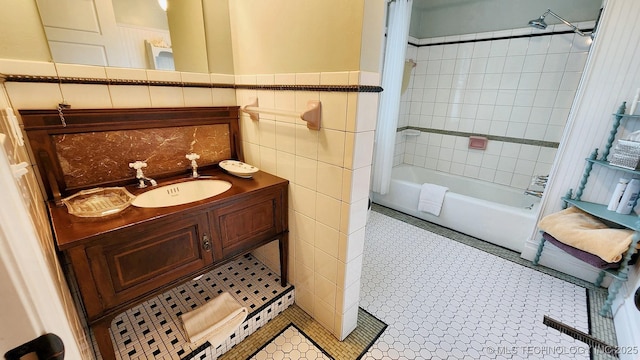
346 321
335 78
354 77
369 78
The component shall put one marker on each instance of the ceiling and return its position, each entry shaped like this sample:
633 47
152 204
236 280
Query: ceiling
433 18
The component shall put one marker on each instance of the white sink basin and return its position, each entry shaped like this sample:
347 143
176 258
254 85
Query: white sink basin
181 193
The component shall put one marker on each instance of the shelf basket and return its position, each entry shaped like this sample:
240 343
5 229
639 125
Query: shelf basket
626 154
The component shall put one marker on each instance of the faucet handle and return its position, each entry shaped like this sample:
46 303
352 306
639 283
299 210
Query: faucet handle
192 156
539 180
138 165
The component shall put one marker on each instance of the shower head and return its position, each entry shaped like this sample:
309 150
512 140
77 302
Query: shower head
539 23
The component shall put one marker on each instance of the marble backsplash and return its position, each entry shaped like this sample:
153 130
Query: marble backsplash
101 157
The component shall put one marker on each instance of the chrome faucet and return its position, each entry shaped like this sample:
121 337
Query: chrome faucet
539 181
194 165
537 193
138 165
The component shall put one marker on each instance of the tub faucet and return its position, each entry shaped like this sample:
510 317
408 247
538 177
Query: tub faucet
138 165
194 165
540 180
537 193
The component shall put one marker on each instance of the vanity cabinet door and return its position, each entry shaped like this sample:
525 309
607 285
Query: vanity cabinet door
130 263
249 222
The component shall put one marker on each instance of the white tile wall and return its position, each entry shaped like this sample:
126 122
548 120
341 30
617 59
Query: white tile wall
521 88
329 172
28 95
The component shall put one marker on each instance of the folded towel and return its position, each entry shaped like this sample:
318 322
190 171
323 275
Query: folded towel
580 230
589 258
431 198
214 321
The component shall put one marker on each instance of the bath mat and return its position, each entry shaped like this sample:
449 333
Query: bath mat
353 347
291 342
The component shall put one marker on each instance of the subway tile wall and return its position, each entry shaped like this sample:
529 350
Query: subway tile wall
519 88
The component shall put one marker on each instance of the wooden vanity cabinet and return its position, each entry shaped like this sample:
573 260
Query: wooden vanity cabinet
239 226
126 258
125 264
120 262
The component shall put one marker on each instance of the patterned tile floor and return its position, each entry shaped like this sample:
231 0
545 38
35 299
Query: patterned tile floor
151 330
352 347
455 301
291 343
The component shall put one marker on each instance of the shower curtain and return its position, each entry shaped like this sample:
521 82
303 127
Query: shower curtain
399 17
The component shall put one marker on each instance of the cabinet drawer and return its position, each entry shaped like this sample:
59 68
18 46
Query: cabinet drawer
243 225
141 260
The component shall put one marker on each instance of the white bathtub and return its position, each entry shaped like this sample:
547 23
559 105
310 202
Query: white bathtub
498 214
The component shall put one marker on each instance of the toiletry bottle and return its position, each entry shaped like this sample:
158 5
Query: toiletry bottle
629 197
617 194
634 103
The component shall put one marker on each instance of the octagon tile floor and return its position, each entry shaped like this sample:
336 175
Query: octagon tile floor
445 300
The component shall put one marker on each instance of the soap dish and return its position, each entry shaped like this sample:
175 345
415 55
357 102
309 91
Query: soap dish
98 202
238 168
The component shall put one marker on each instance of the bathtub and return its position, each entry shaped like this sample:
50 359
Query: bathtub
498 214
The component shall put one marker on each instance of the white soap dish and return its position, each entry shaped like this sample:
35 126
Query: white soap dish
238 168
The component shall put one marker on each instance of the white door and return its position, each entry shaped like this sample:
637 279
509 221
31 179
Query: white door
34 299
82 32
30 303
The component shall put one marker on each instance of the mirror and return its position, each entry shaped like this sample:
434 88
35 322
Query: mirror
140 34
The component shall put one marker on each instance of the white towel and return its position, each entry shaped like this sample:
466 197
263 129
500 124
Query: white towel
214 321
431 198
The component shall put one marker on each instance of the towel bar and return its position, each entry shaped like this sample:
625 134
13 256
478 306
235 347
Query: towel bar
312 115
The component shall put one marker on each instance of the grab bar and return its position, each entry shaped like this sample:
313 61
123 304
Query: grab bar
313 114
